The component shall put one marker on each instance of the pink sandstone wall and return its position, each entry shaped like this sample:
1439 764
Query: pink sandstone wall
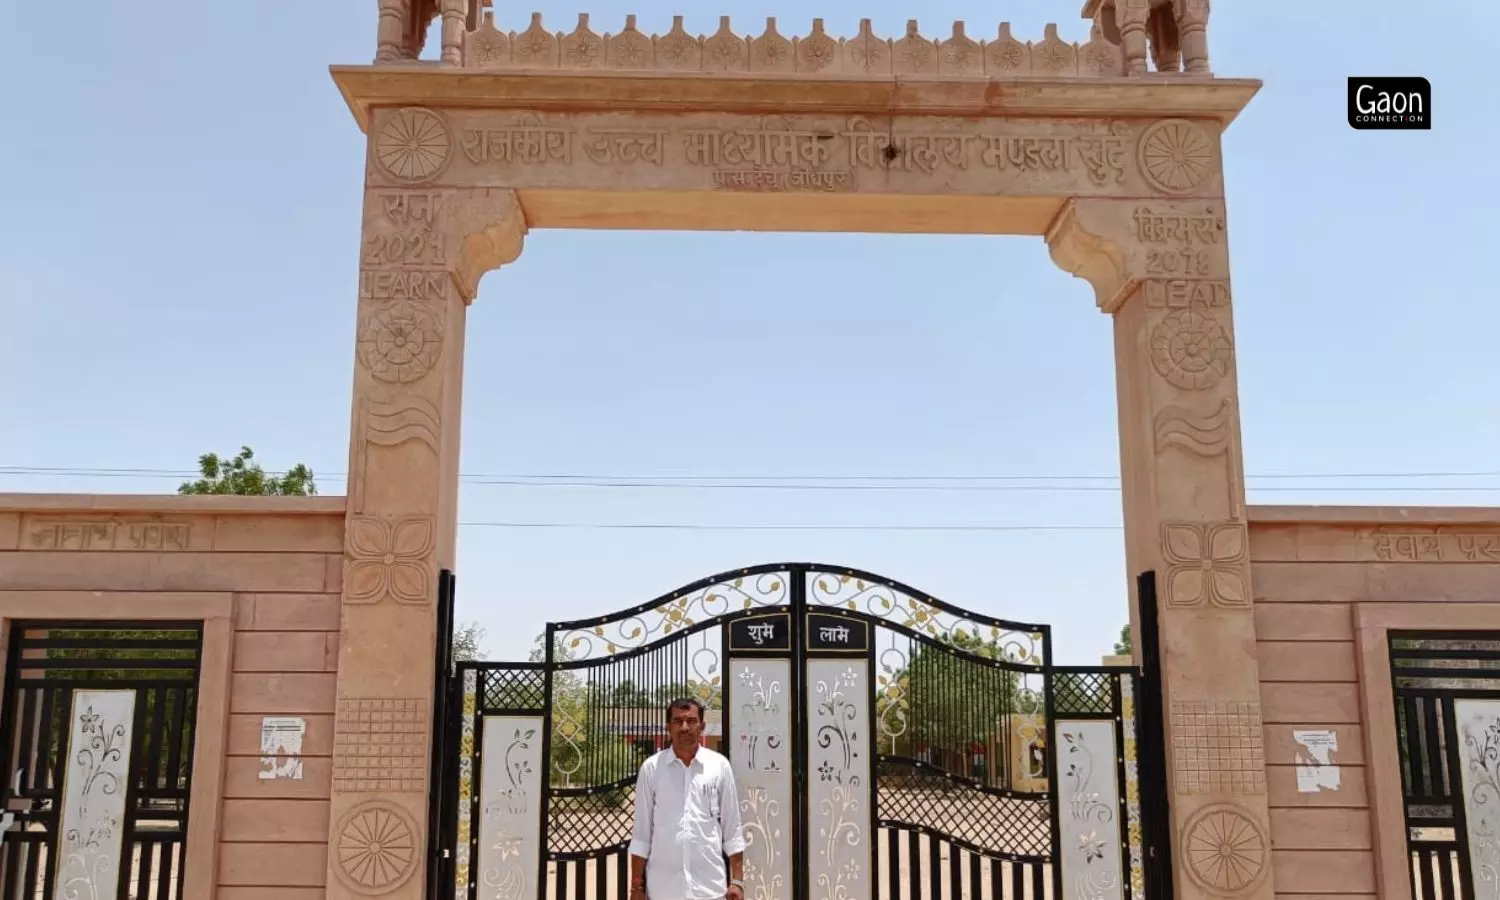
1327 581
273 567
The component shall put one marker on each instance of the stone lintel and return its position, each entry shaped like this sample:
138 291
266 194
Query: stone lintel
1374 515
172 503
366 88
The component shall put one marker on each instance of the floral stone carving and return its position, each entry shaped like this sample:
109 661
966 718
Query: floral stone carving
413 145
402 343
377 848
1205 562
1191 350
388 558
1226 850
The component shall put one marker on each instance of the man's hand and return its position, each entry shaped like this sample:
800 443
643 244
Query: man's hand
638 892
735 893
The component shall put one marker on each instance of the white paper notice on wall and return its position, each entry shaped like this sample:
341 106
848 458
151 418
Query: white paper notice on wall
281 747
1316 770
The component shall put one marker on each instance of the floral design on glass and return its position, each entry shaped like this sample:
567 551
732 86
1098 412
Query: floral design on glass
90 847
389 558
402 343
838 712
514 798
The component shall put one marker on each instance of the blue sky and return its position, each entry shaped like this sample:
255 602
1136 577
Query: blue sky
178 273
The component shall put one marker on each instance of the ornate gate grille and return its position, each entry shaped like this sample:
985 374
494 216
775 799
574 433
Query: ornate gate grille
885 744
1447 694
98 734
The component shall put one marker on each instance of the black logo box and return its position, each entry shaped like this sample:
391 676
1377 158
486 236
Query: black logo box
1390 103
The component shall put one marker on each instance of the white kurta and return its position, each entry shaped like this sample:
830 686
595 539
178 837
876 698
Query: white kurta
687 819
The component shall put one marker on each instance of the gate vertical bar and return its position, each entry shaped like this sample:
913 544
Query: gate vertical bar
1117 706
439 849
545 850
797 597
12 852
872 749
1049 762
1454 765
1152 749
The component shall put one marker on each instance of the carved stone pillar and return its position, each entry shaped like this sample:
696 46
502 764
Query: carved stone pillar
1160 268
421 256
453 12
1131 17
388 34
1192 34
1166 52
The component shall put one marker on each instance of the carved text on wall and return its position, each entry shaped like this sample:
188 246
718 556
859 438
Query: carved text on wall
424 285
1178 229
106 534
1439 545
1185 294
529 149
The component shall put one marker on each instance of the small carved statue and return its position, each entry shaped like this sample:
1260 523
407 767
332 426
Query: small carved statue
1175 31
403 27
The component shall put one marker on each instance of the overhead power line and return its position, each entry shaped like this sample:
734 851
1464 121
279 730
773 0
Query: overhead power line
844 482
691 526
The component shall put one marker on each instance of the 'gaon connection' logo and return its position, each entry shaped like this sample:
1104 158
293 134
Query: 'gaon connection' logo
1387 104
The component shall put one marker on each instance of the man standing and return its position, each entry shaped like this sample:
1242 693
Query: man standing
687 818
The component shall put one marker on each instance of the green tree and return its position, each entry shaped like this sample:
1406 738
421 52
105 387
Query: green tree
628 694
243 475
1123 646
943 704
468 642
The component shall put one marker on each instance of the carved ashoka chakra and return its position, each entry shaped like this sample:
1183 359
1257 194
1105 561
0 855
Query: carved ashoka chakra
1175 156
377 848
413 145
1226 850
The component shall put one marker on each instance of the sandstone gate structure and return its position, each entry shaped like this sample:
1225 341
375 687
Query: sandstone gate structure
279 743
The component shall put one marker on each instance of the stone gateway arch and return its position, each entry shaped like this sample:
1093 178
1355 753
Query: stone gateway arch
1108 149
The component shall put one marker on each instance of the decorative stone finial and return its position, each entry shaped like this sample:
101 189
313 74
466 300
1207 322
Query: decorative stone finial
1122 35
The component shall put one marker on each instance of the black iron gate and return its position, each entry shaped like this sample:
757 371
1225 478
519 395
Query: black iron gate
97 730
885 744
1447 697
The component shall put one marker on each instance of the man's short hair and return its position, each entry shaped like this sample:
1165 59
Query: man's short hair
684 703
